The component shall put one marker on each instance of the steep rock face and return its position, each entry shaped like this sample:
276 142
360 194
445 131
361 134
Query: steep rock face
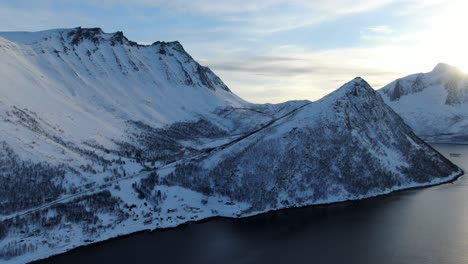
434 104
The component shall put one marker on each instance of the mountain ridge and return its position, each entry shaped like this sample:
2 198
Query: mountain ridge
158 84
77 35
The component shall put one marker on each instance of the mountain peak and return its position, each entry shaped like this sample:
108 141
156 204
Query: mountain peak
95 30
359 81
355 90
356 87
444 68
79 34
97 35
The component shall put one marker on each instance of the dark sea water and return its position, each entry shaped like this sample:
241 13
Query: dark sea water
416 226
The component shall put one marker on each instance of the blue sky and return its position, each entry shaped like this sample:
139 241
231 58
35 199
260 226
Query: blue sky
275 50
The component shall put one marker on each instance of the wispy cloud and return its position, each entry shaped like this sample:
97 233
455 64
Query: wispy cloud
256 16
301 73
377 32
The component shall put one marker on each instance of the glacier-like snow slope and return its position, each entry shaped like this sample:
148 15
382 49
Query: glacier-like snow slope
101 137
434 104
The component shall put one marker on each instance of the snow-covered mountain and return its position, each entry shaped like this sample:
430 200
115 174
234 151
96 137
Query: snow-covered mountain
101 136
348 145
85 84
434 104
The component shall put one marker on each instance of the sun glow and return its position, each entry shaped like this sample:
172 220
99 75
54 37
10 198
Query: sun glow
439 35
447 38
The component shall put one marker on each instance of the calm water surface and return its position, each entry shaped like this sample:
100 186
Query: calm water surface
416 226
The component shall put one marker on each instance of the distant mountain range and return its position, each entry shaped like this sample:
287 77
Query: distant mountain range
434 104
101 136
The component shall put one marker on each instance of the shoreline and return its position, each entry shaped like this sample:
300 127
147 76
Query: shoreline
451 179
451 143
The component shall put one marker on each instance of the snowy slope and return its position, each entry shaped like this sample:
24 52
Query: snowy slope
102 137
84 83
434 104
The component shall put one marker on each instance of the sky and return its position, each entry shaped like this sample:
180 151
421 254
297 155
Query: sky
275 50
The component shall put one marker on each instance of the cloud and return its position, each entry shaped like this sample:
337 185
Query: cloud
380 32
302 73
254 16
290 66
383 29
227 7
